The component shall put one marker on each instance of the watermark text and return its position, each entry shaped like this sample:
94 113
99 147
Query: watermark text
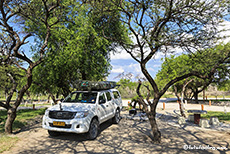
203 147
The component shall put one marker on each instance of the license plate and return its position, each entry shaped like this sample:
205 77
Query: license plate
57 123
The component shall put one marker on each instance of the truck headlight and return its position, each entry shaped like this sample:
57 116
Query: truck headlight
81 114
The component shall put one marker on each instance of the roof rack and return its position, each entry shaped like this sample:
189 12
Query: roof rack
94 85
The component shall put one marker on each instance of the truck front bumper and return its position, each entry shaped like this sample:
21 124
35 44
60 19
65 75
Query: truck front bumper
80 125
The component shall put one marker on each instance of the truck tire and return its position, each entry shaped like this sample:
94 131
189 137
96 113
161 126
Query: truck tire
93 129
117 117
53 133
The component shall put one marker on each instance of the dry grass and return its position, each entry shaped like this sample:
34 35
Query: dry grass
6 142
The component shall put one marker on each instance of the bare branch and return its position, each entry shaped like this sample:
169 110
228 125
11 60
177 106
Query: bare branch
148 95
19 66
24 38
13 89
3 105
140 99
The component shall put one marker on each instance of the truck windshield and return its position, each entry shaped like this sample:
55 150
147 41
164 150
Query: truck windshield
81 97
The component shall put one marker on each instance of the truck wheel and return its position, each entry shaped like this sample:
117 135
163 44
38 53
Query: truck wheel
53 133
93 129
116 118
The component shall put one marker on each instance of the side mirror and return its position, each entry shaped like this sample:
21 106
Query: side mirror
61 100
101 101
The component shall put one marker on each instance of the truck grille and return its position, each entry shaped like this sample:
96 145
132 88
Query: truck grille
61 114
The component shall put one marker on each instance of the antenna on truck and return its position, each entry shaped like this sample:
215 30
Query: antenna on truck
60 106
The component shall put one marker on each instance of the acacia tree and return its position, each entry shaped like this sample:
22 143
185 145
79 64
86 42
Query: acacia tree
43 13
81 51
160 26
175 66
204 61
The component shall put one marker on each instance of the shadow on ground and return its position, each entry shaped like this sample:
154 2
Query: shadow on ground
129 137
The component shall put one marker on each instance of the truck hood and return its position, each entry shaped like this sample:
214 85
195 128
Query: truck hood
74 107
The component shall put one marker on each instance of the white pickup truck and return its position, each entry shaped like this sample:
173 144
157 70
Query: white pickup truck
83 112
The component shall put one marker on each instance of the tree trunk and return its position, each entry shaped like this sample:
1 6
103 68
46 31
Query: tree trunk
83 75
176 93
11 115
181 107
196 97
204 95
53 98
156 134
152 114
152 120
66 93
57 95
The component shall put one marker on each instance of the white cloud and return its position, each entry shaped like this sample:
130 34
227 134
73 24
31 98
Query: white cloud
134 67
117 70
122 55
226 33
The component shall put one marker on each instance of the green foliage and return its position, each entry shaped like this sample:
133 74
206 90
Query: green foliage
106 18
202 62
33 13
128 89
77 50
221 115
173 67
225 86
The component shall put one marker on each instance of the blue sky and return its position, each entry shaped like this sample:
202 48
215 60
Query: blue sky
123 62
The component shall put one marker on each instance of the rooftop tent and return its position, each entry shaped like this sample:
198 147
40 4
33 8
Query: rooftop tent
94 85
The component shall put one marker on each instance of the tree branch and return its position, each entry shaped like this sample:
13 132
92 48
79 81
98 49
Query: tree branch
148 95
3 105
140 99
13 89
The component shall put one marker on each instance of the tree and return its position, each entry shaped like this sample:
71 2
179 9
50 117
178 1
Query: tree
81 51
205 61
43 14
161 26
183 64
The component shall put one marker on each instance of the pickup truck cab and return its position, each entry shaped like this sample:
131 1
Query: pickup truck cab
83 112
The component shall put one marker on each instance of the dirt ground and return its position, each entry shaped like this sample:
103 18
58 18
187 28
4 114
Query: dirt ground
129 136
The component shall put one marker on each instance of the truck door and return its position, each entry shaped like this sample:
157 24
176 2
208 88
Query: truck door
102 109
109 105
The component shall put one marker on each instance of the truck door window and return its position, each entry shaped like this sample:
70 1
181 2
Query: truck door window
116 94
109 98
102 98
